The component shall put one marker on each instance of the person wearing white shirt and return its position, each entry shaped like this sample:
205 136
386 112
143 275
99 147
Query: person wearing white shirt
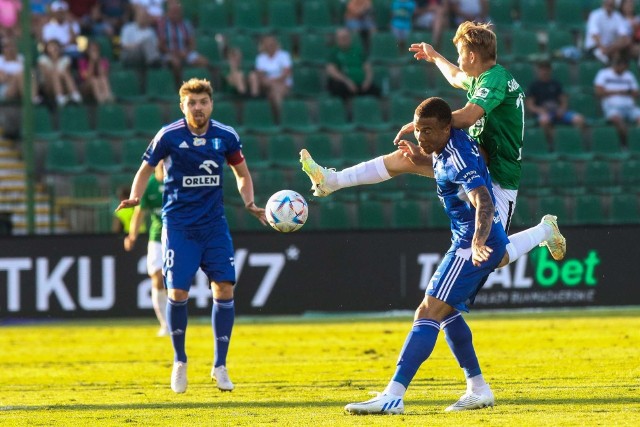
272 75
61 27
617 89
139 41
607 32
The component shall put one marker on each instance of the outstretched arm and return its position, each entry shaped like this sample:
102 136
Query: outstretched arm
481 199
454 75
137 188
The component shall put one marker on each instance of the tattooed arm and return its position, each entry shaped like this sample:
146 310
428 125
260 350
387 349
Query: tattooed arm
481 200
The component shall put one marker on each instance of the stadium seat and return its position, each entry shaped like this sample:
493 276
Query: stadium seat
416 186
43 124
313 49
132 151
554 205
367 114
147 119
355 148
624 209
523 215
371 215
247 15
74 122
559 38
586 104
197 73
316 16
295 117
85 186
384 49
606 145
282 16
534 14
321 148
100 156
536 146
270 181
568 14
120 180
384 143
532 179
247 45
282 151
62 157
587 71
125 85
561 72
407 214
524 45
588 210
213 17
106 48
160 85
599 177
562 177
112 121
501 12
252 151
629 176
633 142
569 144
257 116
334 215
401 110
414 81
332 115
382 14
523 73
447 48
225 112
231 215
307 82
436 216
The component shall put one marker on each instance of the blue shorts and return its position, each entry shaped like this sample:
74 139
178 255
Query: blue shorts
186 250
457 280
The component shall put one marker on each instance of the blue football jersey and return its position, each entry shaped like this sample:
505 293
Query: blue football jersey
458 170
193 195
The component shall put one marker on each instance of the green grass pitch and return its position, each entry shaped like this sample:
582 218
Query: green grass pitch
564 368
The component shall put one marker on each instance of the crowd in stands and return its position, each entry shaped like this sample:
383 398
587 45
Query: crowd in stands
581 73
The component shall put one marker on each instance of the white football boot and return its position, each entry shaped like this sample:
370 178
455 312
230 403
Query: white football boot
317 174
179 377
381 404
557 244
221 376
471 400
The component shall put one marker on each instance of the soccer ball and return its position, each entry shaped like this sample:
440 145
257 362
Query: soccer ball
286 211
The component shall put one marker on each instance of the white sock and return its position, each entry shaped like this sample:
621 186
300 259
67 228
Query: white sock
394 388
476 384
159 301
522 242
369 172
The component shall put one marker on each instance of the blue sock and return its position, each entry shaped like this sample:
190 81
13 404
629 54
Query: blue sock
222 317
417 348
458 336
177 322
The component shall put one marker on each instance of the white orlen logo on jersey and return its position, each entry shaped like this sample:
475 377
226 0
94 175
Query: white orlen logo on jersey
203 180
197 142
481 92
184 145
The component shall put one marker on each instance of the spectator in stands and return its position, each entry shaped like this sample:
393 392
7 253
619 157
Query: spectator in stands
234 76
470 10
139 42
82 12
628 11
109 16
177 42
9 17
548 102
617 89
607 32
62 27
272 74
155 8
39 16
359 18
432 15
402 20
348 71
94 74
54 70
11 64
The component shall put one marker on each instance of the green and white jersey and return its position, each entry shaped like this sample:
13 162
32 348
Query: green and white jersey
500 131
152 201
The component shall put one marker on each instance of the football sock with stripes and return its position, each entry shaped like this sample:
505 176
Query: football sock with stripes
417 348
177 322
369 172
222 318
460 340
522 242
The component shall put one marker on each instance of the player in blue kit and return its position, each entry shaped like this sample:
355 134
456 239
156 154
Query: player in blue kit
195 230
479 246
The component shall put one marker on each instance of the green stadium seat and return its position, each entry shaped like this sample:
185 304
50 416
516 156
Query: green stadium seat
371 215
282 16
307 82
532 179
295 117
208 47
384 143
447 48
160 85
568 14
112 121
605 144
106 48
599 177
569 144
282 151
382 14
85 186
633 142
436 216
247 15
401 110
416 186
586 104
524 45
313 49
100 157
536 146
270 181
132 151
407 214
316 16
43 124
561 72
62 157
120 180
197 73
624 209
213 17
147 119
334 215
125 85
231 215
524 74
257 116
321 149
554 205
367 114
630 175
534 14
252 151
523 215
355 148
587 71
559 38
501 12
414 81
333 115
74 122
384 49
226 112
562 177
247 45
588 210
